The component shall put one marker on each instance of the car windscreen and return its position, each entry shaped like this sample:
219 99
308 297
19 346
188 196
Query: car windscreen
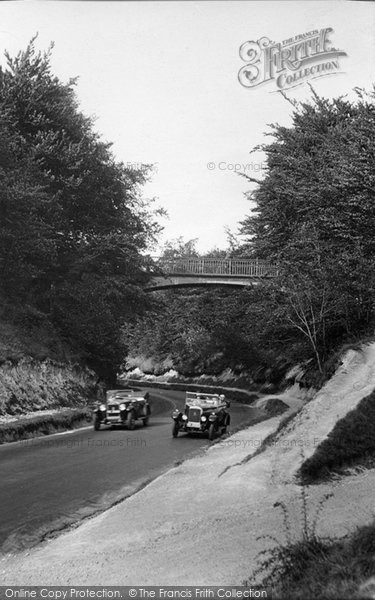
203 402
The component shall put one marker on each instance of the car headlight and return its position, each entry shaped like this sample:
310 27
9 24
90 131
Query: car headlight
203 419
184 417
102 407
122 406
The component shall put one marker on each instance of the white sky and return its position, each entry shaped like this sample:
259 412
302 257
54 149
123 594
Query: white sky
161 78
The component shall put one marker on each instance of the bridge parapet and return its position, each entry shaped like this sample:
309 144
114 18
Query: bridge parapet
231 267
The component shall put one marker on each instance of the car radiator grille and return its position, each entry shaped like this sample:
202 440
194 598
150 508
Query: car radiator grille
194 414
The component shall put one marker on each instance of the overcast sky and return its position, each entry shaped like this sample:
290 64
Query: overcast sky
161 78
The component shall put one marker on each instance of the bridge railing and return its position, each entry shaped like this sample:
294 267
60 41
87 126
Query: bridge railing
215 266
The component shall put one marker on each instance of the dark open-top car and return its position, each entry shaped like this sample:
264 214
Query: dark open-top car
123 407
206 413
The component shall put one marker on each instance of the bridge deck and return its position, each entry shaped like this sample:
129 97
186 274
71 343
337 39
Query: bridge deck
213 266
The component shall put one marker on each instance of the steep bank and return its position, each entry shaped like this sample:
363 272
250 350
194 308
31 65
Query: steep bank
39 375
31 385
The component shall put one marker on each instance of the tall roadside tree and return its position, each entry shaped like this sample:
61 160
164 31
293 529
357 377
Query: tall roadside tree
74 227
314 214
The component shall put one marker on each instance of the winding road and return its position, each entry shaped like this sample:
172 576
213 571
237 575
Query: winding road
53 482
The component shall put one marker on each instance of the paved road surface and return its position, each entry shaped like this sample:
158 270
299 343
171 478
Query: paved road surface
51 482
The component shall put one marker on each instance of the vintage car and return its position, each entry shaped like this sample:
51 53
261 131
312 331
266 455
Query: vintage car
123 407
206 413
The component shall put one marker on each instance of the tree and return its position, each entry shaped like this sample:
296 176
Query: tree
75 228
179 248
314 215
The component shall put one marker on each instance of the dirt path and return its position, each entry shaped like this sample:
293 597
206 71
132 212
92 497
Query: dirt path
198 524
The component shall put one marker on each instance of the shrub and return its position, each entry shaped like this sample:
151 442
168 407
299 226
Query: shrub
309 566
351 441
43 425
275 406
284 565
321 568
32 385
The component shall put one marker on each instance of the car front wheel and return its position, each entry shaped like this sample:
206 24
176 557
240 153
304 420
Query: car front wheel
130 420
145 421
225 428
175 429
211 432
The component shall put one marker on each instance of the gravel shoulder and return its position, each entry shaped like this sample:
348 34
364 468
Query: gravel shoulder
198 523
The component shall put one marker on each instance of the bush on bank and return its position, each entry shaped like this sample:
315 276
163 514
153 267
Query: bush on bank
30 385
25 428
351 442
336 570
308 565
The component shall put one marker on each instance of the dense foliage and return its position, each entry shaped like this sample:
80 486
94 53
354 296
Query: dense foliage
313 214
74 233
194 332
73 227
206 330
